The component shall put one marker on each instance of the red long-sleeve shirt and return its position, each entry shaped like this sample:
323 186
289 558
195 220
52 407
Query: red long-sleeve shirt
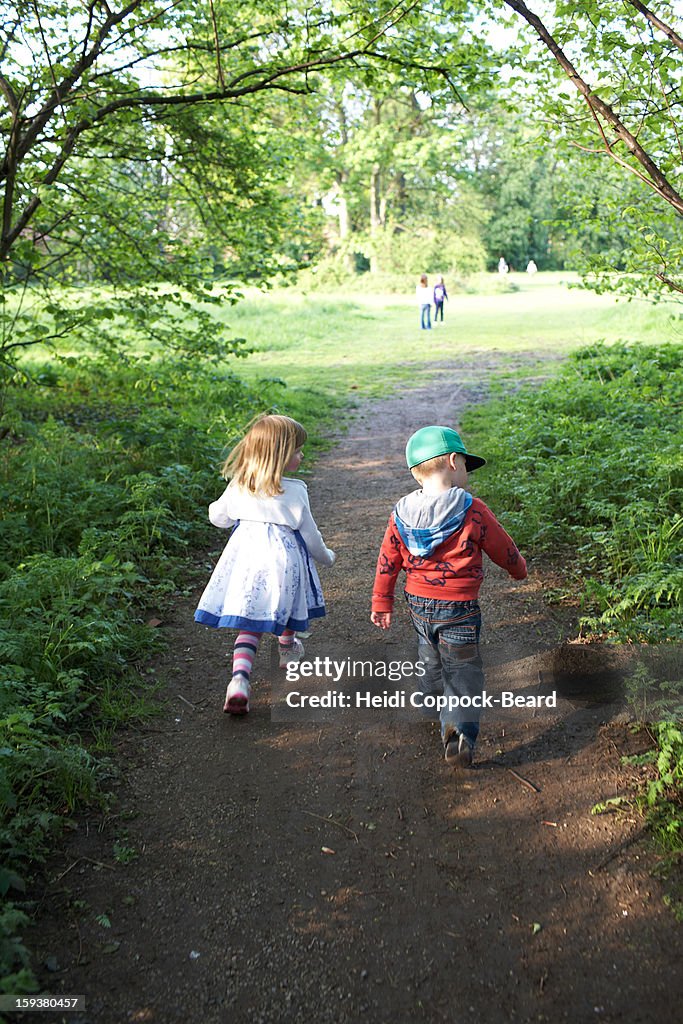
453 571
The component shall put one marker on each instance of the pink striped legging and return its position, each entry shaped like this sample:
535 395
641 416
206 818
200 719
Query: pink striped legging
245 649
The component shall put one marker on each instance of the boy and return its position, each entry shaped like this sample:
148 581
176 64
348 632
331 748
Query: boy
437 534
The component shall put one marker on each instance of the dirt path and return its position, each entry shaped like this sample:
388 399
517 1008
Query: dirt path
447 898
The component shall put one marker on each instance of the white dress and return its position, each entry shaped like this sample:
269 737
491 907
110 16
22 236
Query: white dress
265 580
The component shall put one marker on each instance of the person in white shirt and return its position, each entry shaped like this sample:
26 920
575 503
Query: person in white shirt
423 295
266 580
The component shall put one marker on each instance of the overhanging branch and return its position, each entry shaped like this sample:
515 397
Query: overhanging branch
671 35
654 176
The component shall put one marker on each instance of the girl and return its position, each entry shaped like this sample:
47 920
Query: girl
440 294
424 300
265 580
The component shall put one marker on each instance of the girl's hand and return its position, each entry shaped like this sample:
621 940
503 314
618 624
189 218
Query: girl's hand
381 619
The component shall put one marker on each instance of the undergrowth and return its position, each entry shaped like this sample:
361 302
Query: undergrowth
655 693
588 468
106 469
659 800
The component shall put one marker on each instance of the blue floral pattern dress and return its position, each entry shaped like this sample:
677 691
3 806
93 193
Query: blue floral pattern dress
266 580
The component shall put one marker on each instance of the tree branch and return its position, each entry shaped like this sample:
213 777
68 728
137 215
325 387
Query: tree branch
60 90
9 37
11 162
654 177
219 66
46 51
403 13
671 117
9 94
658 23
10 236
669 283
88 29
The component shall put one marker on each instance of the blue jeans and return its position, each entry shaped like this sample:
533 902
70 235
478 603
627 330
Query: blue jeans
448 647
426 323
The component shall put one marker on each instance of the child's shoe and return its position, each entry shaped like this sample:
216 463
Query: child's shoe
458 751
237 697
292 653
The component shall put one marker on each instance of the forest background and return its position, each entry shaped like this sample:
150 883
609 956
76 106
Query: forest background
163 160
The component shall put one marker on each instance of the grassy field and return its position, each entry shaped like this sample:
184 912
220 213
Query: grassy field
337 342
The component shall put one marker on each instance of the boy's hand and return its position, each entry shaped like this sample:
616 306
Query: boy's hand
381 619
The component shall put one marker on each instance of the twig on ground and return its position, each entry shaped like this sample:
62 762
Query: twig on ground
188 702
331 821
66 872
97 863
525 782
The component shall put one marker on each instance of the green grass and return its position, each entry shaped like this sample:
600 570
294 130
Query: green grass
338 344
368 343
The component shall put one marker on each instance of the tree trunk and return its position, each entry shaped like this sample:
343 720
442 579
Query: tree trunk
376 199
344 220
401 199
343 215
375 216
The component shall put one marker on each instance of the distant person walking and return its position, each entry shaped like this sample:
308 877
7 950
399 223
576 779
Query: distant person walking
440 295
531 268
424 297
502 266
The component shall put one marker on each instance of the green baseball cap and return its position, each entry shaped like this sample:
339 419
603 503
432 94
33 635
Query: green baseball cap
429 442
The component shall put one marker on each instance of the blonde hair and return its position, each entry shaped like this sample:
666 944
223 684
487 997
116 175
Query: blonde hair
257 463
425 469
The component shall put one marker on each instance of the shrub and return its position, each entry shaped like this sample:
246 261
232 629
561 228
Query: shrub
589 465
104 478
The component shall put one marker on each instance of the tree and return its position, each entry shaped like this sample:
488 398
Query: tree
167 95
141 143
390 165
626 69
